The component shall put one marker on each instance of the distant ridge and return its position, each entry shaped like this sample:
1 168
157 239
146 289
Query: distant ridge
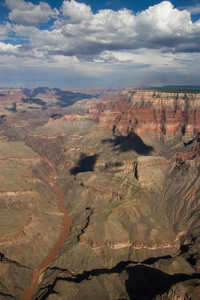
181 88
171 88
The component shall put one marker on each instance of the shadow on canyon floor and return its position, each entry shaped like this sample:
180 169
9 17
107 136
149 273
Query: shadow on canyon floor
85 164
130 142
142 283
146 282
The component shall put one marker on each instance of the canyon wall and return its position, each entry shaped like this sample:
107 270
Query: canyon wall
164 114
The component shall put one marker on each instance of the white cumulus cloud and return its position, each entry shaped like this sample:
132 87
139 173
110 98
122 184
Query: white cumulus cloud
28 14
164 19
8 48
77 12
78 31
159 26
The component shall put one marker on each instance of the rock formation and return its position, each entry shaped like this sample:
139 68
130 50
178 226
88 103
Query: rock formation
128 168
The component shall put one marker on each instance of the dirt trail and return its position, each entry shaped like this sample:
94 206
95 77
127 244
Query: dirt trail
67 223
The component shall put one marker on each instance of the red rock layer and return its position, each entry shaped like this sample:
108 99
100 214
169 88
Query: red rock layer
167 113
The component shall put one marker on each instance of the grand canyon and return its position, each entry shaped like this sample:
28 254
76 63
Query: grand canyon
100 193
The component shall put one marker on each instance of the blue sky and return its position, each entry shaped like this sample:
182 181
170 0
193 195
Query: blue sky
99 43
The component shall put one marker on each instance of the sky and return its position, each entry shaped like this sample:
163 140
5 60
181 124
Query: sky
93 43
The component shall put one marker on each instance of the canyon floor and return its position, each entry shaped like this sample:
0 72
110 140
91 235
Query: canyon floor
127 166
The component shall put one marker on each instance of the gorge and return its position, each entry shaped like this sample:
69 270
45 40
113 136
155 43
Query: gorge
126 164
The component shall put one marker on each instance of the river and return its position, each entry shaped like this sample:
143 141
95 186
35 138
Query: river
67 223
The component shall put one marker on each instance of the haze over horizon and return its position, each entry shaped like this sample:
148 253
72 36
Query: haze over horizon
99 43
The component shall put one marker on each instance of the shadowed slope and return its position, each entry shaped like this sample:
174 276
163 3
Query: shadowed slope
85 164
131 142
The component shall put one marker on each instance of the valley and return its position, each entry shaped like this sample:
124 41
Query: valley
126 165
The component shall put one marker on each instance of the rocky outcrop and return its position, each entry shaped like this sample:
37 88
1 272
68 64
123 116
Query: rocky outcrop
189 289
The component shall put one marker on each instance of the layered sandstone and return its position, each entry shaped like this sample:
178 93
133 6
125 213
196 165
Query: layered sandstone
167 115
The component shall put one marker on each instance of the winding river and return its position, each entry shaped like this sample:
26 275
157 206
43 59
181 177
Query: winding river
67 223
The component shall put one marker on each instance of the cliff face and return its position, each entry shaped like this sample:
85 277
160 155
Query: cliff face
164 114
128 170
